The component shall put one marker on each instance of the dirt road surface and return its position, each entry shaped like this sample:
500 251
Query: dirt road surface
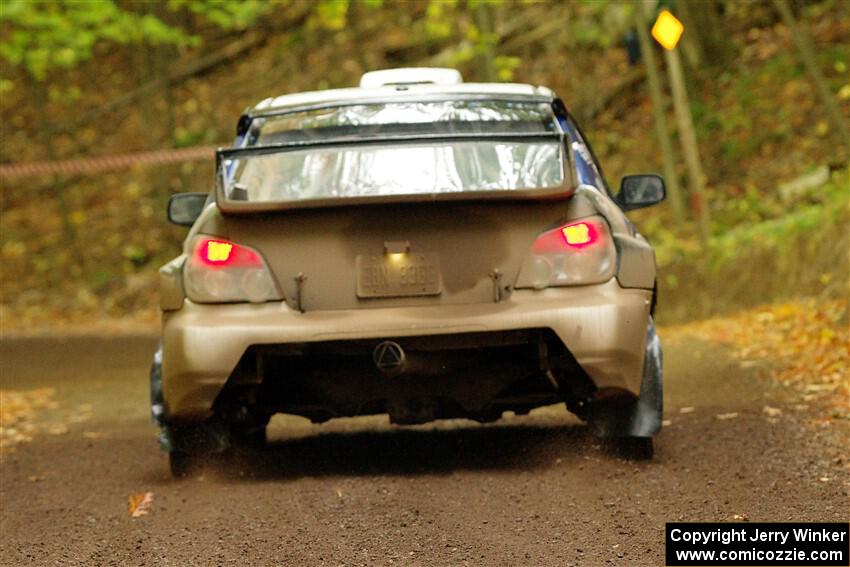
535 490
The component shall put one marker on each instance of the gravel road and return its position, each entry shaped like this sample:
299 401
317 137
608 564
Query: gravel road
535 490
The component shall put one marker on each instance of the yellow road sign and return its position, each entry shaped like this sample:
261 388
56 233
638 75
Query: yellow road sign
667 30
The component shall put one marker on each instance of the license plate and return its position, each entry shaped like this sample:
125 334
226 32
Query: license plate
398 275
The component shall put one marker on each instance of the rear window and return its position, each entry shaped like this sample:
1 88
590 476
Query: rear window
431 162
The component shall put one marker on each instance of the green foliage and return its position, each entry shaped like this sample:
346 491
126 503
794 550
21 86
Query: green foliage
599 23
505 67
745 226
135 254
60 34
438 19
801 252
49 35
185 138
224 13
330 14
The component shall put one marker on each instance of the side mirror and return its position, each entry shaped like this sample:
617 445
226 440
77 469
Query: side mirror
638 191
185 208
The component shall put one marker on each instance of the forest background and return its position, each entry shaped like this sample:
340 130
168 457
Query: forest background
88 79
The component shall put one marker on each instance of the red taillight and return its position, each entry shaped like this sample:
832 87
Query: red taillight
213 252
578 253
220 271
572 236
579 234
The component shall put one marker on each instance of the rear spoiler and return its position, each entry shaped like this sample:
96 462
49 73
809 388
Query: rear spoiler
225 157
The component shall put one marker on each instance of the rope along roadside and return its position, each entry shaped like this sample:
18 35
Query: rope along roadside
88 166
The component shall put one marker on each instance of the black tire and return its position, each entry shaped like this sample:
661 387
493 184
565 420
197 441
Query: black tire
249 432
182 463
635 448
189 444
251 438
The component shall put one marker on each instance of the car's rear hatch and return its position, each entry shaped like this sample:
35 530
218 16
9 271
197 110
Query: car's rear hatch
386 255
404 202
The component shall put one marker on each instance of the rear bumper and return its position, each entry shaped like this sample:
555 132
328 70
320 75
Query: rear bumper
603 326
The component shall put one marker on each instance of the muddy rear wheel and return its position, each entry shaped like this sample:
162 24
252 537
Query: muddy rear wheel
249 437
181 463
635 448
189 443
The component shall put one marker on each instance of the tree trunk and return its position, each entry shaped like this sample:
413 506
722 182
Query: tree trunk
152 122
661 130
692 44
688 139
484 23
706 26
807 54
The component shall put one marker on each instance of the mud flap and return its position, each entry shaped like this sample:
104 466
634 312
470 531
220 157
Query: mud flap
157 402
197 438
642 417
202 437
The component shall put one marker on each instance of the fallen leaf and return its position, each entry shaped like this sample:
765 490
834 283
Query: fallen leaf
772 412
58 429
79 418
820 387
140 503
805 342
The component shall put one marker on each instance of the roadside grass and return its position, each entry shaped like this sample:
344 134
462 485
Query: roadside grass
803 253
806 343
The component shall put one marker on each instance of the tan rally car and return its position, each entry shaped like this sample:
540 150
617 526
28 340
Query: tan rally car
418 246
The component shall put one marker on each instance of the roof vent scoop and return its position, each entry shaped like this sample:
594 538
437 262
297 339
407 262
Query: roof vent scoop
410 76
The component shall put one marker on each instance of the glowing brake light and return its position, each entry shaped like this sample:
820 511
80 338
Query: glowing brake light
218 252
222 271
223 253
575 236
579 253
579 234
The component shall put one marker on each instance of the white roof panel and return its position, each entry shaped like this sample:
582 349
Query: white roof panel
407 91
410 76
